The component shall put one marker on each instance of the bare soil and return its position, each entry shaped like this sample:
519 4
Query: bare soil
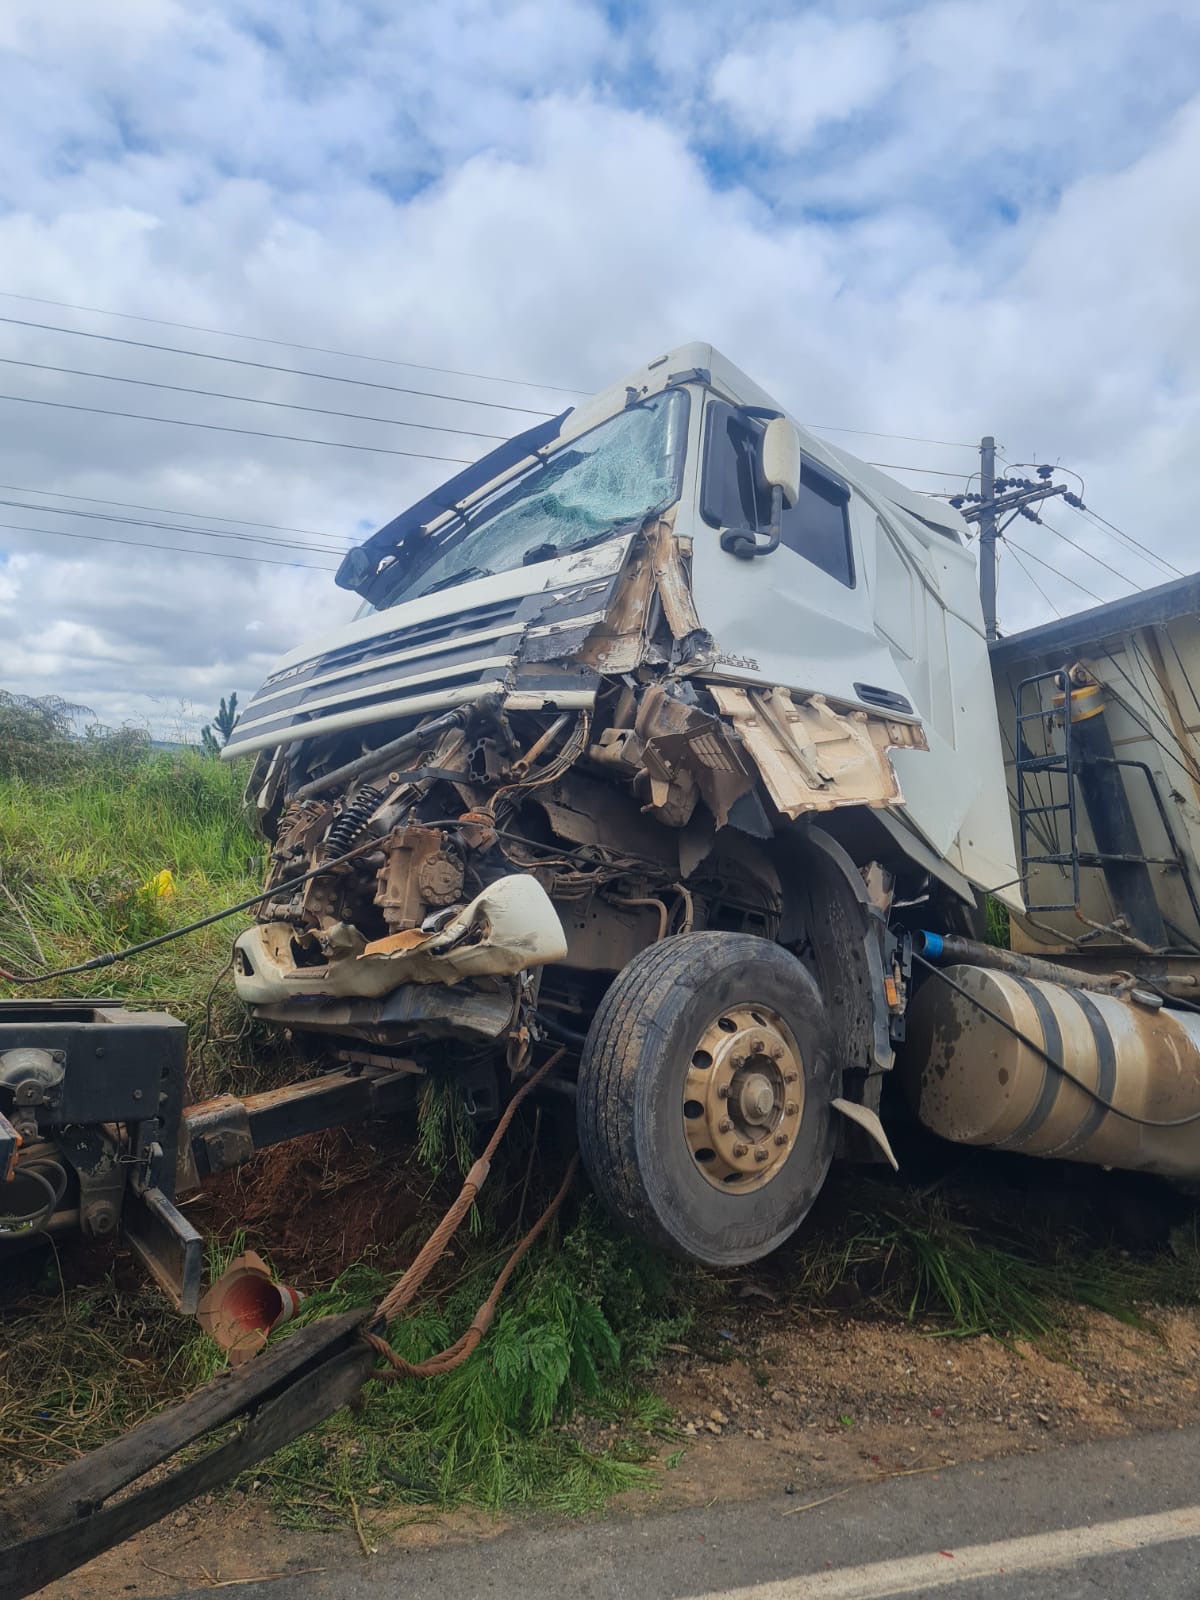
317 1204
774 1404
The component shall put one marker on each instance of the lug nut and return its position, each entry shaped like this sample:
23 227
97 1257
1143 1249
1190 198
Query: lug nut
739 1150
789 1077
790 1109
776 1052
724 1126
781 1139
761 1155
737 1061
757 1046
723 1091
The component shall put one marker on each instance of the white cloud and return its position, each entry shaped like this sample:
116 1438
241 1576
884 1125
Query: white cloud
804 72
978 236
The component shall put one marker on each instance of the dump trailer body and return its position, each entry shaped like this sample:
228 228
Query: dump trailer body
1106 801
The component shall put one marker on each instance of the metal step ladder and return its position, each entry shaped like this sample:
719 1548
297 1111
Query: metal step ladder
1028 766
1031 707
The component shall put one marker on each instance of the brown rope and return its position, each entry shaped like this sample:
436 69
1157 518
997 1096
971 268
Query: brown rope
434 1248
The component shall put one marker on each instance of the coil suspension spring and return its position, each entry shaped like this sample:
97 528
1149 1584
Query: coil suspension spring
347 826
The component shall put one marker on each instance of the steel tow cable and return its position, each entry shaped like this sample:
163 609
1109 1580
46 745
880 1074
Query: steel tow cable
434 1248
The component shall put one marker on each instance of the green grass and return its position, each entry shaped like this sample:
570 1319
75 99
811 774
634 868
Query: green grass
962 1267
84 845
579 1331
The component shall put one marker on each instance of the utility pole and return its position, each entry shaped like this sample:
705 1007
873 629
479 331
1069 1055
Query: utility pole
987 534
1015 495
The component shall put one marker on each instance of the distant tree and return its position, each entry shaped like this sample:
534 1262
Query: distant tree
212 743
36 734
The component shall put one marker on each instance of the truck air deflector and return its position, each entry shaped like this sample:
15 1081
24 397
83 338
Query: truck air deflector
351 574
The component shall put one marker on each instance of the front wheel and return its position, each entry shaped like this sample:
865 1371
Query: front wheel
704 1096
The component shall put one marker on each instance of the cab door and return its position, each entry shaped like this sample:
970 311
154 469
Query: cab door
801 617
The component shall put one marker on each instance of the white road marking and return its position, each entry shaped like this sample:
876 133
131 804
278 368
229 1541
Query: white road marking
939 1569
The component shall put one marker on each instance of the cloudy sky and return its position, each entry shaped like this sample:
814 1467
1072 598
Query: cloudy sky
934 221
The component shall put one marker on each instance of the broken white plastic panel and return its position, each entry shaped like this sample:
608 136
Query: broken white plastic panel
512 925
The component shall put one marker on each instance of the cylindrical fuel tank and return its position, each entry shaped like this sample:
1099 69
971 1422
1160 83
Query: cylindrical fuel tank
972 1081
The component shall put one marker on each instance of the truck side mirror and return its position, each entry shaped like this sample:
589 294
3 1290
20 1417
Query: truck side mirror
780 460
355 568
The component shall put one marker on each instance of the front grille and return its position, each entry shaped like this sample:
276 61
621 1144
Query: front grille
435 631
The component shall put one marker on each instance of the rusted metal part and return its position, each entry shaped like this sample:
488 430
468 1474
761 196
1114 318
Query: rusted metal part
743 1098
224 1132
646 900
418 872
375 760
48 1530
671 559
813 758
685 751
618 643
510 927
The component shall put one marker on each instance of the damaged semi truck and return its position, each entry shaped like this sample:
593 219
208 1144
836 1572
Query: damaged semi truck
665 736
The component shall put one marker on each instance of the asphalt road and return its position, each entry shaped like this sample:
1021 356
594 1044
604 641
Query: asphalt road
1116 1519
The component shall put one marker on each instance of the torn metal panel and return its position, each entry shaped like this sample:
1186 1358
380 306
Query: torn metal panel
414 1011
671 560
813 758
685 751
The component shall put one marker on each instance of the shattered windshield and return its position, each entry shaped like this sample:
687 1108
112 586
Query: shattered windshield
616 474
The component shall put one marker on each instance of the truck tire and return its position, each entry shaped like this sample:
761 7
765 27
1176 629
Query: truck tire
704 1096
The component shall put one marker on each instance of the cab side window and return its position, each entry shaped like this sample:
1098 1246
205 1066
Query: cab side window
817 527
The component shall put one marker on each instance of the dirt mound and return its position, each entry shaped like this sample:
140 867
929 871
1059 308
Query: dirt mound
318 1204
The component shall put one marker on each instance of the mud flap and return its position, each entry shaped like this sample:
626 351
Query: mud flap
870 1124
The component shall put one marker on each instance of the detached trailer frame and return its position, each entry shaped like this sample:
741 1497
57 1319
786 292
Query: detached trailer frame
97 1095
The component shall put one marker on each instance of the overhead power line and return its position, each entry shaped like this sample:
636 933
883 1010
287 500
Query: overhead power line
168 511
223 427
1012 550
174 549
931 472
1091 554
1058 573
333 377
904 438
269 366
287 344
1134 544
178 527
1076 504
249 399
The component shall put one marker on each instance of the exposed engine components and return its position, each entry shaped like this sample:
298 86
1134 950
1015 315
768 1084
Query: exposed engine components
418 872
351 820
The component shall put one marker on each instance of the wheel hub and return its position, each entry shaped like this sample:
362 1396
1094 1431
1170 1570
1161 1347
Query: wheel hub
743 1098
